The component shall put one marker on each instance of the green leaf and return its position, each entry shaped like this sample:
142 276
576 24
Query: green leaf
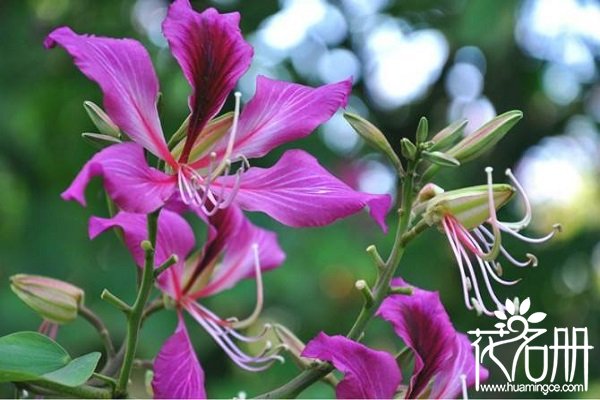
75 373
29 355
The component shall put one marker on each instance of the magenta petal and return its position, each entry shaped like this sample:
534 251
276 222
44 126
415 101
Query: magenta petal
369 374
440 352
128 180
235 236
177 372
297 191
212 54
174 236
123 69
281 112
446 384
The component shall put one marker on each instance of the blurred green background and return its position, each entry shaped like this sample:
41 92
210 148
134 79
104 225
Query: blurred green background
442 59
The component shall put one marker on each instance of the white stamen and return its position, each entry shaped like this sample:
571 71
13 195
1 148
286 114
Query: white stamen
463 384
259 293
555 229
232 135
466 282
493 253
527 218
221 336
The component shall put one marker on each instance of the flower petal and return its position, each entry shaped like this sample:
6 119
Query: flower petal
281 112
212 54
235 235
177 372
447 383
440 353
128 180
174 236
369 374
297 191
123 69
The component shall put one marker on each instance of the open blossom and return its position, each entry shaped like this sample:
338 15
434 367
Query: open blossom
213 55
444 364
235 249
468 218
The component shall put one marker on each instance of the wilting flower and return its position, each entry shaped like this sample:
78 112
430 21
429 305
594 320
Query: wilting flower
213 55
235 249
444 364
468 218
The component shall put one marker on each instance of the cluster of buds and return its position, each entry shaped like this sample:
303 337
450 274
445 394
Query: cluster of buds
466 216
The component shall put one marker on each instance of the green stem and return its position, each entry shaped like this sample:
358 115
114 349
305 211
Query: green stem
81 392
380 290
97 323
135 316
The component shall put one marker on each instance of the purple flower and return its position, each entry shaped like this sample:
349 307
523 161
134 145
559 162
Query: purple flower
235 249
444 364
468 218
213 55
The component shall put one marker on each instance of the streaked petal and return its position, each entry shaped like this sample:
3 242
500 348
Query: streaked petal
297 191
177 372
233 239
128 180
281 112
123 69
368 373
212 54
174 236
446 384
439 351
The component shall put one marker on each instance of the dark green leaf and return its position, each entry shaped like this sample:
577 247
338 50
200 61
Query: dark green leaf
75 373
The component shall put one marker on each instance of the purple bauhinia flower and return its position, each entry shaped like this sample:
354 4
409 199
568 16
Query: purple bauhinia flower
468 218
213 55
235 249
444 364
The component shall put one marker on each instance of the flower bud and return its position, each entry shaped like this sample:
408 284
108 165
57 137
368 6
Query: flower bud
486 137
102 121
409 150
373 137
422 130
469 206
53 300
449 135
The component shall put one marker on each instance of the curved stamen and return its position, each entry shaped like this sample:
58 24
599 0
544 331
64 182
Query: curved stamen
466 282
206 188
232 135
259 294
531 259
493 252
495 270
555 229
221 336
234 190
524 222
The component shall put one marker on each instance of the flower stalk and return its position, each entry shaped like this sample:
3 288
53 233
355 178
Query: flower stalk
306 378
134 319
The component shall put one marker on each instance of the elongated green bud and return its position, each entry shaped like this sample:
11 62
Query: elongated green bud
449 135
441 159
54 300
409 150
374 138
422 130
102 121
480 141
469 206
486 137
